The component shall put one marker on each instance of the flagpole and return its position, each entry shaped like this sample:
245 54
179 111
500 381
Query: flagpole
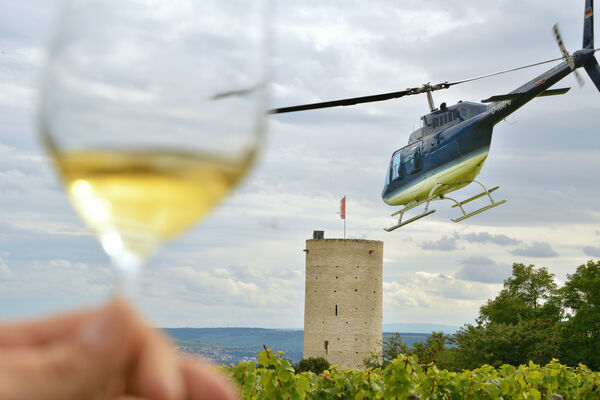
345 199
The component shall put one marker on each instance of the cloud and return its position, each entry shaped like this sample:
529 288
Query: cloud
271 223
446 243
427 289
482 269
61 263
5 272
449 243
233 286
536 249
592 251
485 237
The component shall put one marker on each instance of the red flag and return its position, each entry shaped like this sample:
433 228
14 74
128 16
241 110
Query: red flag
343 207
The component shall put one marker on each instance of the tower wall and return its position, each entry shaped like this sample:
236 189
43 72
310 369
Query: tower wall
343 300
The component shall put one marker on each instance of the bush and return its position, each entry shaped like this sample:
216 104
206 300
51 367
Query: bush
313 364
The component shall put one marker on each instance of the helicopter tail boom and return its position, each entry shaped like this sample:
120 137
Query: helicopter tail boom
515 96
593 70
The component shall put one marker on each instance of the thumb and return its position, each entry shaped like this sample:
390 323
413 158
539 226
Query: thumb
78 367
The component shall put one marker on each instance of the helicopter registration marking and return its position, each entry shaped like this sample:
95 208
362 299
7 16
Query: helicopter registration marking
501 106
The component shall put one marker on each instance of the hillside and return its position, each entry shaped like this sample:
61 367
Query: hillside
234 345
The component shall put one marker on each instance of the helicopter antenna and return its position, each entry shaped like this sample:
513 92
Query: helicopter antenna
505 71
427 88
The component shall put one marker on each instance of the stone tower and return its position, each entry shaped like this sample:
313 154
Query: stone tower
343 299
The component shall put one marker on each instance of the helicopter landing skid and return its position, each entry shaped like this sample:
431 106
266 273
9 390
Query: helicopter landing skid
399 224
412 205
470 199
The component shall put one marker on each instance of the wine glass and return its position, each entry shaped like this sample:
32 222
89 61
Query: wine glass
152 110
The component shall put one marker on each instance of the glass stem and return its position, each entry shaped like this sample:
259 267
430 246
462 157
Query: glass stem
128 267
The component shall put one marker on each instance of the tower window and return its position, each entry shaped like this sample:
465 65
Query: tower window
336 309
326 346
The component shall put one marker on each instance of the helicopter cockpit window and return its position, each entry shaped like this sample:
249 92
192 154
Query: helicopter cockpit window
396 167
412 160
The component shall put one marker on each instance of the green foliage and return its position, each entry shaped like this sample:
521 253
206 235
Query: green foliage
313 364
391 348
404 378
498 343
433 350
581 332
523 323
531 319
530 293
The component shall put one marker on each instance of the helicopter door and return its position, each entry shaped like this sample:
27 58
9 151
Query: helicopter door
412 159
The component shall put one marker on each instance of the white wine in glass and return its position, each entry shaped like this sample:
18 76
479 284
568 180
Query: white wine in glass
152 111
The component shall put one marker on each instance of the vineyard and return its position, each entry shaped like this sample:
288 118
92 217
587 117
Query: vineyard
404 378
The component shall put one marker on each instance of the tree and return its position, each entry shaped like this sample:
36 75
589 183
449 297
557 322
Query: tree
521 324
581 332
499 343
433 350
530 293
391 348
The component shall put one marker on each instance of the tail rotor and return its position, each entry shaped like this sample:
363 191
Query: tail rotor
589 61
566 55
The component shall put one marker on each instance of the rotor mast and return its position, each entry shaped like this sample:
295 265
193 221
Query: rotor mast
428 88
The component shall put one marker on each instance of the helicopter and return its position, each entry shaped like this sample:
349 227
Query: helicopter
448 151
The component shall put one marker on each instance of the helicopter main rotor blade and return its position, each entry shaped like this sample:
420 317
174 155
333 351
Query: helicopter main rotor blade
359 100
341 102
394 95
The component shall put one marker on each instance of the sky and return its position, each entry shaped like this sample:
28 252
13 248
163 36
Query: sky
244 264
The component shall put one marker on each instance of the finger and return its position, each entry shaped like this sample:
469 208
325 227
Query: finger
78 368
156 372
46 330
204 382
